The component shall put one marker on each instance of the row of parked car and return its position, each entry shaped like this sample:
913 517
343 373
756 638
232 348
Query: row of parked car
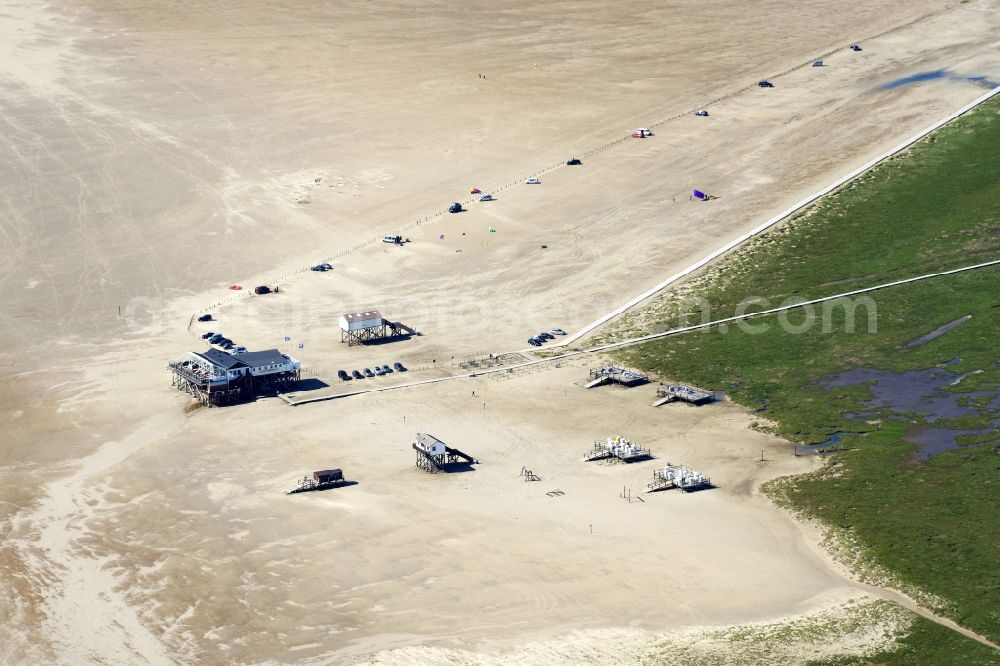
545 336
368 372
223 342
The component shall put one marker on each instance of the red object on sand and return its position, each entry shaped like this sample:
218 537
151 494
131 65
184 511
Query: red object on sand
235 287
476 190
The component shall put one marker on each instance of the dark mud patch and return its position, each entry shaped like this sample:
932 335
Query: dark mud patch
938 75
936 333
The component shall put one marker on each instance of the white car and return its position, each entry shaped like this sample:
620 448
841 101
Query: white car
398 240
487 197
532 181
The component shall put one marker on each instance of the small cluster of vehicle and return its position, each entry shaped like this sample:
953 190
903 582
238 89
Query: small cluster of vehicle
368 372
223 342
545 336
457 207
321 268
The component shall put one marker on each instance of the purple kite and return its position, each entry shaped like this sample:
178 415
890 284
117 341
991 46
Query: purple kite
699 195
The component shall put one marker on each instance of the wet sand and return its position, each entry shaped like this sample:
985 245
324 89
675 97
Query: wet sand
153 155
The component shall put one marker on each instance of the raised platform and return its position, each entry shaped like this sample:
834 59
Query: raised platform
320 480
612 374
618 448
216 378
683 393
370 327
433 456
678 476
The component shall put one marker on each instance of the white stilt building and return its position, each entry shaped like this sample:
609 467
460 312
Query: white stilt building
678 476
617 447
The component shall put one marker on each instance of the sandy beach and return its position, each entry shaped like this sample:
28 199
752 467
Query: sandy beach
154 154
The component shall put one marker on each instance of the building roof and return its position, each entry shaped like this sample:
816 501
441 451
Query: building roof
427 441
362 316
328 472
259 358
221 359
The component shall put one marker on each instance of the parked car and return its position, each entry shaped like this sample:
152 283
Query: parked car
399 367
369 373
487 197
327 267
455 208
205 317
532 181
574 162
240 350
224 341
216 338
543 336
261 289
855 47
386 369
398 240
357 375
226 344
206 336
558 331
378 370
765 84
318 268
344 377
534 342
701 113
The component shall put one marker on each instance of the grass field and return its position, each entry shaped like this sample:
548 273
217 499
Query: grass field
929 524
